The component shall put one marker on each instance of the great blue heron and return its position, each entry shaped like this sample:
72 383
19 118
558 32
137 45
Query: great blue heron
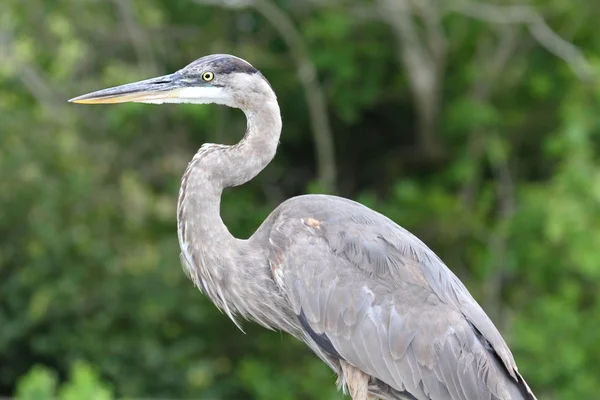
367 296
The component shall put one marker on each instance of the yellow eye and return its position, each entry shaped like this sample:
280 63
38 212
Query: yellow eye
208 76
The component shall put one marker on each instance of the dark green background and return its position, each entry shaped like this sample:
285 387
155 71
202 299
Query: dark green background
503 182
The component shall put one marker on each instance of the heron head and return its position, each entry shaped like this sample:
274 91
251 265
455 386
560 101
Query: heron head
218 78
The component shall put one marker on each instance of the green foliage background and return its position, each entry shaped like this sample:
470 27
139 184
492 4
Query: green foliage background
89 269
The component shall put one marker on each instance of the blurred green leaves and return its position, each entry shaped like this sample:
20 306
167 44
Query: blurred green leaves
89 266
41 383
353 75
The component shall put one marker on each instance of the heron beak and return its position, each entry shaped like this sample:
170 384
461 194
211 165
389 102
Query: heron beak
157 89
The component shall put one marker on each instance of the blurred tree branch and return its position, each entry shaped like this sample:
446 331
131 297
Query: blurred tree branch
492 65
498 239
422 51
492 61
423 56
422 47
536 24
317 106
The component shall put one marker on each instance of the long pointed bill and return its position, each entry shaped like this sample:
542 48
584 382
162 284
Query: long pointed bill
160 89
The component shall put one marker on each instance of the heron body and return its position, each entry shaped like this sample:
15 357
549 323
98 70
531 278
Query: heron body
367 296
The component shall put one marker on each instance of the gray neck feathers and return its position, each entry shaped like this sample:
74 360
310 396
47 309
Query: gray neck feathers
228 270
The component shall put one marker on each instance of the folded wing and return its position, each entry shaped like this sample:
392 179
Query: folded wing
378 297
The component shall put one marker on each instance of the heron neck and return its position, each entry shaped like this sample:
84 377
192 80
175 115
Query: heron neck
255 151
226 269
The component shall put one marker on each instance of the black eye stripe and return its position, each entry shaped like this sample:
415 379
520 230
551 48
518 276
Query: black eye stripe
221 64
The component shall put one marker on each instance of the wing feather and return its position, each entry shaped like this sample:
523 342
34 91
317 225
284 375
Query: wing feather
388 304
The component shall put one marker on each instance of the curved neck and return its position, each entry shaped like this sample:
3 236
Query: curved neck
213 256
243 161
216 167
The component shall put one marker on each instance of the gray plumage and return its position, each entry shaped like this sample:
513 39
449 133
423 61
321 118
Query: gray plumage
367 296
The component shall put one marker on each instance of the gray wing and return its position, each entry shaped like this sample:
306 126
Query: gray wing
374 295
